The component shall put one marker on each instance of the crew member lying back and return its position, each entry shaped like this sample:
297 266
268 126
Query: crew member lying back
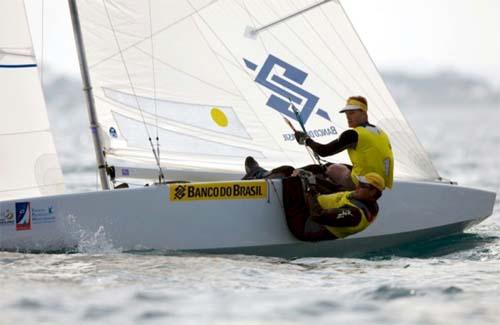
340 214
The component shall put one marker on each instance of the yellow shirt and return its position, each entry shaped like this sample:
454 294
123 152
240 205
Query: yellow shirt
339 200
373 153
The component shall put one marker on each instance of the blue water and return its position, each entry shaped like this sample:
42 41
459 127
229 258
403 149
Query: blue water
454 280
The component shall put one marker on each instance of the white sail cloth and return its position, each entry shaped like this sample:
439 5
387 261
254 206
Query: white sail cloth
203 77
28 165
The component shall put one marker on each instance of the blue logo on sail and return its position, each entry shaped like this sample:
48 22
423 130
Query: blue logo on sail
285 88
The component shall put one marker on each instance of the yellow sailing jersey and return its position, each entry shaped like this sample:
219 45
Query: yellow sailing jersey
373 153
339 200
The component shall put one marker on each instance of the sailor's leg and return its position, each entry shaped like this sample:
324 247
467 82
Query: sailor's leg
340 174
280 172
313 231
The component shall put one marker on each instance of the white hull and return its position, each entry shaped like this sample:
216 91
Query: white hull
145 218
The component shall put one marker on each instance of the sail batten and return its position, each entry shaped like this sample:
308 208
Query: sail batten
294 14
196 73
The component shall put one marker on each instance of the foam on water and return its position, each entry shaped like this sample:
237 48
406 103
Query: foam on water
96 242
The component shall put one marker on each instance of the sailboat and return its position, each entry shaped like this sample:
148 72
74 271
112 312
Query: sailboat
185 92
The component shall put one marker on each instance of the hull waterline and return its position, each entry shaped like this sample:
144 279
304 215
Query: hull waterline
147 218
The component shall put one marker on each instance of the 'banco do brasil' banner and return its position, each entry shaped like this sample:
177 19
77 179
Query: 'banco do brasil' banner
219 191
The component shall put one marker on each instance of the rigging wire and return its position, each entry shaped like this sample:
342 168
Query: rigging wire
154 87
155 154
311 153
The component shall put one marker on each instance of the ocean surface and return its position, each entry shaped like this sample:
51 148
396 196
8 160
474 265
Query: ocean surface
453 280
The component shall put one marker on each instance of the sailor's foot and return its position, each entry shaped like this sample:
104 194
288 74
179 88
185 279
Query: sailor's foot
250 164
253 170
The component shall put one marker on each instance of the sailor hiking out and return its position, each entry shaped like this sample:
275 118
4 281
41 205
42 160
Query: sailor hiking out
335 215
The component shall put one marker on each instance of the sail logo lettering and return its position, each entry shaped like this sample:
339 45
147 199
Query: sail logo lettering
219 191
313 133
286 89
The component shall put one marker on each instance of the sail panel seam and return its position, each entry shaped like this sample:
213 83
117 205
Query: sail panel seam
26 132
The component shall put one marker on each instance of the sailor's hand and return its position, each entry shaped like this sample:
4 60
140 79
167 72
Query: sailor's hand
301 137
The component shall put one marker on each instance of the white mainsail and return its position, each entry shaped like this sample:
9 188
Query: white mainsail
212 79
28 165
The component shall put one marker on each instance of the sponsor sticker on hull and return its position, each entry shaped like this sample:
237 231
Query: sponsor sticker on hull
7 215
23 215
43 214
255 190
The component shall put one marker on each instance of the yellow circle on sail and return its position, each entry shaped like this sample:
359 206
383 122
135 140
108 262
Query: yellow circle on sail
219 117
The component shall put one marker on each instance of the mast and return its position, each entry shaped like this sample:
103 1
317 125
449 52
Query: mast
89 96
